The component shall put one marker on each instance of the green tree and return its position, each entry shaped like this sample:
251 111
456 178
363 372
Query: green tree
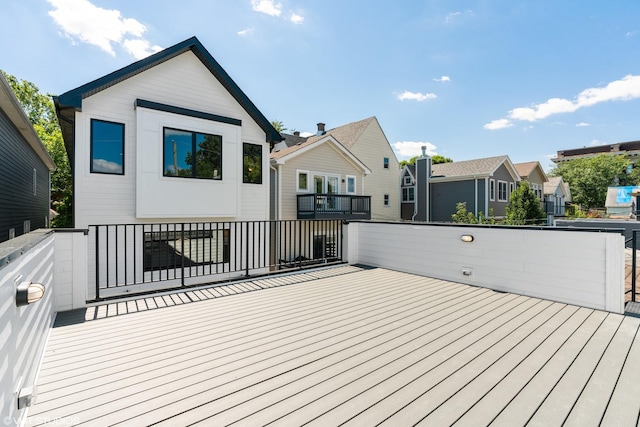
463 216
278 125
589 178
524 206
41 112
434 160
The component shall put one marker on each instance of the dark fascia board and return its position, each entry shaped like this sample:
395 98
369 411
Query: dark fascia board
71 101
187 112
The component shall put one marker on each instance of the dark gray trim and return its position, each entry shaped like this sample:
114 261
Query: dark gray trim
187 112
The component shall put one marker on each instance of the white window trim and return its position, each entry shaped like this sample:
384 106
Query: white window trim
407 191
407 180
298 173
512 187
506 189
355 184
492 190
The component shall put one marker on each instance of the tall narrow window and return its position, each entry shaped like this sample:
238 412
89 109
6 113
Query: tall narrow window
351 184
386 200
107 147
502 191
492 189
252 163
192 154
303 181
385 162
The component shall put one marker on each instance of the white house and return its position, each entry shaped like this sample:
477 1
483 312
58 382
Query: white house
132 137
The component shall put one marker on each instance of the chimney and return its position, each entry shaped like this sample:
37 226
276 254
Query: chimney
296 133
320 129
424 151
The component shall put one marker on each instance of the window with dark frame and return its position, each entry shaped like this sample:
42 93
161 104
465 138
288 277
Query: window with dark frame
386 163
192 154
386 200
107 147
251 163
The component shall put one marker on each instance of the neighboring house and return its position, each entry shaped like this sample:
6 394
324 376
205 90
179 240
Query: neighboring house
621 202
317 178
484 185
533 173
25 170
168 138
631 150
556 196
367 142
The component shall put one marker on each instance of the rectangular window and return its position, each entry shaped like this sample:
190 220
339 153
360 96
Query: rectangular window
303 181
408 194
492 189
386 200
252 163
512 186
351 184
386 163
502 191
107 147
192 154
407 180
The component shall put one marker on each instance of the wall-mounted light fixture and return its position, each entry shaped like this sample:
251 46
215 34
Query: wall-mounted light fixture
467 238
28 293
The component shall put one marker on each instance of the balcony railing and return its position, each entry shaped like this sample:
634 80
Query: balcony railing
128 256
334 206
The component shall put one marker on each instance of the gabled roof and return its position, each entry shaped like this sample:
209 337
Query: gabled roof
10 105
347 134
478 167
71 101
552 185
281 157
526 169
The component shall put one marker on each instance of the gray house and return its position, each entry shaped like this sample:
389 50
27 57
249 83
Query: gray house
25 167
431 192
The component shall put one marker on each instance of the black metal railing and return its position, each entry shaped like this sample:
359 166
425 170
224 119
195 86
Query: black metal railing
333 206
634 271
184 254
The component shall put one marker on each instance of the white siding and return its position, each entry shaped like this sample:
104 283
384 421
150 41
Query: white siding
183 82
371 149
575 267
323 159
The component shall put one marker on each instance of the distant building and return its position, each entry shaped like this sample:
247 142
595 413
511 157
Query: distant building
630 150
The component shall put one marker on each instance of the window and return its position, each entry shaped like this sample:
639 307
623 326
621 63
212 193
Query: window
192 154
502 191
408 194
107 147
407 180
386 163
188 248
351 184
492 189
252 163
303 181
386 200
512 186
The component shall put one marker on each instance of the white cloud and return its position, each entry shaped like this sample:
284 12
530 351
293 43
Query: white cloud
102 165
498 124
140 48
456 15
245 32
443 79
268 7
582 124
624 89
631 34
408 149
296 19
307 134
82 21
416 96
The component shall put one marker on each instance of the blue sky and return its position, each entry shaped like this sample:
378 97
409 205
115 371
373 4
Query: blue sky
469 79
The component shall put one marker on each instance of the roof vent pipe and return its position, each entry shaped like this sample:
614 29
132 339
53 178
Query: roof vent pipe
296 133
424 151
320 129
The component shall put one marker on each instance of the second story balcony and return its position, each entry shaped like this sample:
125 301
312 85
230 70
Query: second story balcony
333 206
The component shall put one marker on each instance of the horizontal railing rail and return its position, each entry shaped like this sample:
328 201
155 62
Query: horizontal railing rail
333 206
183 254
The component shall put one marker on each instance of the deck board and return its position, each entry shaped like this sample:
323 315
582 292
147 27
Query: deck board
342 344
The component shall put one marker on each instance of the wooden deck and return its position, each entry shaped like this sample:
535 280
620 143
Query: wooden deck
347 345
